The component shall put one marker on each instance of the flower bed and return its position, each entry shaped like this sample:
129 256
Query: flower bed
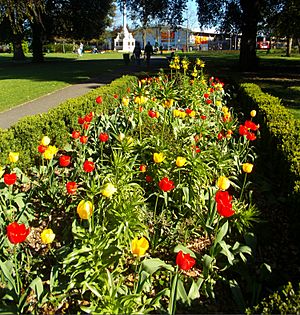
144 210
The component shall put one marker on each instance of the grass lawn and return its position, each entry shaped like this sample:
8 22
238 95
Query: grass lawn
24 81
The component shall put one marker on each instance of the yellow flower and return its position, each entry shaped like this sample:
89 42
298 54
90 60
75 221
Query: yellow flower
1 171
125 101
169 103
121 137
13 157
50 152
139 246
140 100
180 161
223 183
158 157
45 141
47 236
218 103
225 109
192 113
85 209
182 114
253 113
247 167
200 63
176 113
108 190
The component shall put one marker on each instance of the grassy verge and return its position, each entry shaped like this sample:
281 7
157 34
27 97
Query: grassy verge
25 81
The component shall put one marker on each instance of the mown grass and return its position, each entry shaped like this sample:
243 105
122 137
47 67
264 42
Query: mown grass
21 82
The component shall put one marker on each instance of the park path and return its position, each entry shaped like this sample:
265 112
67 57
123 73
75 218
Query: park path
46 102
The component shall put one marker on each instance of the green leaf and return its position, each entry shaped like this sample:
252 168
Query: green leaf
225 251
222 233
153 264
7 275
185 250
194 290
207 260
237 294
37 286
181 293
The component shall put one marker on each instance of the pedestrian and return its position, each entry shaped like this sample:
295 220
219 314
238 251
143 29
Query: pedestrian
80 49
148 52
137 52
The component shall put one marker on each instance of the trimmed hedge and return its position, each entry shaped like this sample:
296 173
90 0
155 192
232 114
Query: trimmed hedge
57 123
280 139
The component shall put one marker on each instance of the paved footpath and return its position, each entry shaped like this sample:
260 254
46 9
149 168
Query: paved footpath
46 102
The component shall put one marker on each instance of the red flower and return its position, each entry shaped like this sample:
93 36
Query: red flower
88 166
128 90
83 139
140 109
64 160
206 95
86 126
166 185
196 148
224 206
251 125
42 148
185 261
116 96
203 117
251 136
99 99
80 120
88 118
188 111
152 113
75 134
208 101
243 130
71 188
221 135
149 179
103 137
10 179
17 233
143 168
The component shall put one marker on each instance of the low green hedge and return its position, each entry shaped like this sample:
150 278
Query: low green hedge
58 123
280 140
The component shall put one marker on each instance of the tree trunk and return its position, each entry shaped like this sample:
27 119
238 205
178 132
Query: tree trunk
248 59
37 43
17 47
289 43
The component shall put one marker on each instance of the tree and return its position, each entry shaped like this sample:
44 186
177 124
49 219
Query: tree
252 13
284 22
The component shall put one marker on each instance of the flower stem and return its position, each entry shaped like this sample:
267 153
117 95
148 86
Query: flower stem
242 191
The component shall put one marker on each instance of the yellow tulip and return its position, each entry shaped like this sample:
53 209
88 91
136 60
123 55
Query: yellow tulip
121 137
85 209
47 236
139 246
192 113
225 109
247 167
125 101
218 103
50 152
13 157
223 183
253 113
169 103
158 157
45 141
180 161
108 190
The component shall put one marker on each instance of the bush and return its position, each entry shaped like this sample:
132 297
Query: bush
58 123
59 48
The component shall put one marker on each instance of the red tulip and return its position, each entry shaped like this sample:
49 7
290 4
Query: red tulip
166 185
42 148
251 136
80 120
185 261
16 233
83 139
251 125
10 179
224 206
116 96
103 137
243 130
203 117
188 111
88 166
206 95
88 118
75 134
64 160
143 168
86 126
71 188
152 113
149 179
99 100
208 101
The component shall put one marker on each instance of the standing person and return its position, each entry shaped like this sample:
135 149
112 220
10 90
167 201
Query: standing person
137 52
80 49
148 52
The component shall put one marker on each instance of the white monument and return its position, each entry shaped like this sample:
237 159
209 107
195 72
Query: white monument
124 42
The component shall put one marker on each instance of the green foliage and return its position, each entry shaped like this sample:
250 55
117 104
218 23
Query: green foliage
280 134
59 48
285 301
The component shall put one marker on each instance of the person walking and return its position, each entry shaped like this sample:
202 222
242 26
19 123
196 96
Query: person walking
148 52
137 52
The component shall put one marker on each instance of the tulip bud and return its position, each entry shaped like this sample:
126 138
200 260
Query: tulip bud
85 209
247 167
223 183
